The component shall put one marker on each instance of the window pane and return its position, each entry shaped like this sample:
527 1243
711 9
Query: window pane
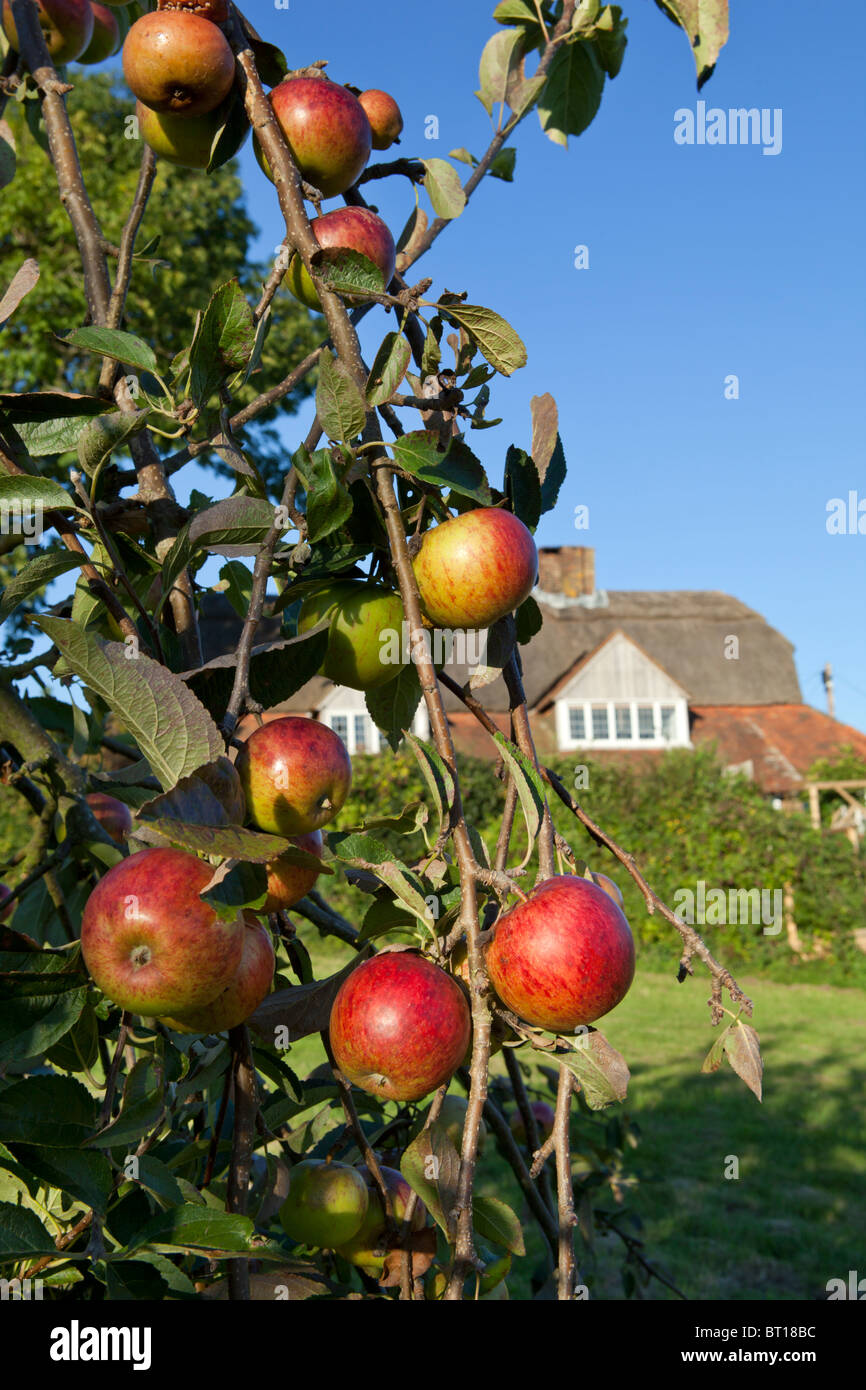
360 733
668 721
645 722
599 722
576 722
340 725
623 721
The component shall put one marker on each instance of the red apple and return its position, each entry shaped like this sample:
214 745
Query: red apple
176 61
67 27
611 888
564 957
384 115
326 129
399 1026
105 40
545 1116
295 773
475 568
327 1203
244 992
114 816
150 942
364 1249
5 892
288 882
351 229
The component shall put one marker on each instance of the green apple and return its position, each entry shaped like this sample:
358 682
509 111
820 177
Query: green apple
365 633
327 1203
364 1249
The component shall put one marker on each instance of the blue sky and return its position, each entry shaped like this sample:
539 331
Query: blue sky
704 261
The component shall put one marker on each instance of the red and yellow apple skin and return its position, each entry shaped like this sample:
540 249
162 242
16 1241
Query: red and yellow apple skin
67 27
105 39
295 774
114 816
326 129
399 1026
288 882
249 985
364 1249
384 115
183 140
361 615
176 61
150 942
475 568
563 958
349 229
327 1203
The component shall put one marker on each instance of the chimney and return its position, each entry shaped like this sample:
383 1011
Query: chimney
827 677
567 569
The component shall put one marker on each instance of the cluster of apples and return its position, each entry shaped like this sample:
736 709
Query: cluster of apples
337 1207
470 571
155 946
82 31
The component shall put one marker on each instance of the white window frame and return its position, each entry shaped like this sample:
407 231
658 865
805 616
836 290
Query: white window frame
679 739
374 743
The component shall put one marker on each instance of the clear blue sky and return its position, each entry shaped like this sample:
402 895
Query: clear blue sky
704 261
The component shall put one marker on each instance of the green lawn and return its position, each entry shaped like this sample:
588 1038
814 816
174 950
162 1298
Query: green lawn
796 1215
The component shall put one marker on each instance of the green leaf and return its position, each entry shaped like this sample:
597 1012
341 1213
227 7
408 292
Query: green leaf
44 438
41 998
437 775
432 1153
609 38
502 167
27 274
173 730
277 670
100 437
134 1280
522 486
301 1010
351 847
547 450
601 1070
503 348
197 1228
22 1234
496 1222
458 469
244 886
49 405
111 342
224 841
223 343
340 406
158 1178
35 575
48 1111
388 369
392 707
499 58
529 621
230 136
270 60
499 645
328 500
238 582
743 1051
22 493
517 12
348 272
140 1107
706 25
236 526
530 789
444 188
572 92
85 1176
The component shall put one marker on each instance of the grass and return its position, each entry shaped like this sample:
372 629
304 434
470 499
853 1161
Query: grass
788 1221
